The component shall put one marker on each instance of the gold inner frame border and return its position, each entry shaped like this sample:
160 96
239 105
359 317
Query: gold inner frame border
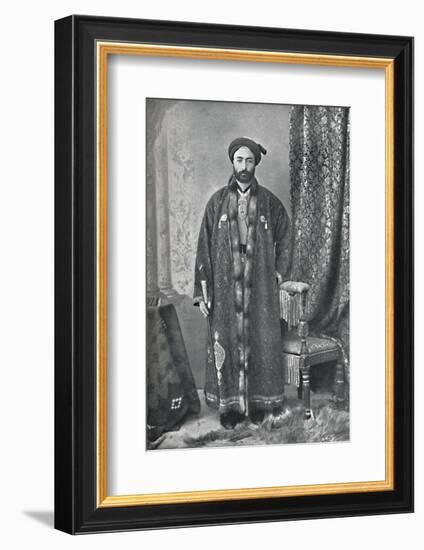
103 50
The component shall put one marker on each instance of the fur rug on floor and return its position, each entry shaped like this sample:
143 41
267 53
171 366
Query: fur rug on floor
329 424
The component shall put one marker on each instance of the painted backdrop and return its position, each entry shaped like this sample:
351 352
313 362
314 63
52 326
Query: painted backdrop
187 162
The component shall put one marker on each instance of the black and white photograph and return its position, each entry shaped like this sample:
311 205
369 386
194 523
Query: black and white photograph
247 255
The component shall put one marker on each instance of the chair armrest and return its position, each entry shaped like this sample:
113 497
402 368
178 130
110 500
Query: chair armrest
294 287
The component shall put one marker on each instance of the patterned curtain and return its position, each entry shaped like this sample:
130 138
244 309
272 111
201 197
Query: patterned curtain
319 172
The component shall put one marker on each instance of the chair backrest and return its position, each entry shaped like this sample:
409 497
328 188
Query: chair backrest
293 302
294 308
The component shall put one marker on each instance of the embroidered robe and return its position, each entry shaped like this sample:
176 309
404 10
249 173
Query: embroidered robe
244 362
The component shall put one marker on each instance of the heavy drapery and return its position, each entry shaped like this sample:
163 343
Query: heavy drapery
171 392
319 173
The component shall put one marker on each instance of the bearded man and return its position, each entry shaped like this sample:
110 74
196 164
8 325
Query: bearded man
242 255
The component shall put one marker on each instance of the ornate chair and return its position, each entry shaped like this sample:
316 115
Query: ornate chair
301 352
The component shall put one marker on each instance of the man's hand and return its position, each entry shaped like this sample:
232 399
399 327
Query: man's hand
204 308
279 277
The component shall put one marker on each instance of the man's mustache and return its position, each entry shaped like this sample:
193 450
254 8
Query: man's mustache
244 173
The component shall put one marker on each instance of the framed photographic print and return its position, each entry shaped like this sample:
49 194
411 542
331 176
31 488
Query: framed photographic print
234 268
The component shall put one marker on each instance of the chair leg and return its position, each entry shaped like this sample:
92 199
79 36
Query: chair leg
306 391
339 391
300 389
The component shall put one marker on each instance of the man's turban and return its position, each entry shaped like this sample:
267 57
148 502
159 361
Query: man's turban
256 148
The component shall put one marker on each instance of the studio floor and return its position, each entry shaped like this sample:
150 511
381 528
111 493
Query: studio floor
328 423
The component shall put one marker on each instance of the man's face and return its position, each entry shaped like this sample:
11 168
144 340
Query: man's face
244 165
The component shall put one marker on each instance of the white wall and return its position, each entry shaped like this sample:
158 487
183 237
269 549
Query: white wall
26 275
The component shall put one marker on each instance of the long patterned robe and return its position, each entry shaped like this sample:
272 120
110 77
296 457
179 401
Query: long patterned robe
244 367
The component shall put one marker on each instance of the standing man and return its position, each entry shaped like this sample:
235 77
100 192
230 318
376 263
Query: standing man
242 255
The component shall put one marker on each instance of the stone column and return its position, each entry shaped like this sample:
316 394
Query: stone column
151 229
162 218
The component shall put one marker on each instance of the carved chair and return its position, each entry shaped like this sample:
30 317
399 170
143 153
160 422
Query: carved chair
302 352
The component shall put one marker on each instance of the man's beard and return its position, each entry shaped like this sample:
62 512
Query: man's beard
243 176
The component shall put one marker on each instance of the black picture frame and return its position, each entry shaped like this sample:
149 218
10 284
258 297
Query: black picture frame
76 509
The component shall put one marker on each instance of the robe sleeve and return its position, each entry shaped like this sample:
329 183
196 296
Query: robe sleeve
203 265
282 236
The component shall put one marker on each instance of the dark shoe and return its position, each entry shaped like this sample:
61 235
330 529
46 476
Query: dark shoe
257 416
230 419
280 417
